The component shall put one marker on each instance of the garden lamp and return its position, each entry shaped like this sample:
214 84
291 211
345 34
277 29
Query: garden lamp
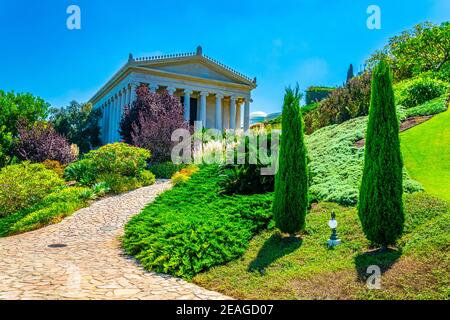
334 240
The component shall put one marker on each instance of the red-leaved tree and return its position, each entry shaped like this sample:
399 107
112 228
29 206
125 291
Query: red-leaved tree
150 121
41 142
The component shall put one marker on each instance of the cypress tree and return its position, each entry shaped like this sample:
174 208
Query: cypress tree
350 74
291 182
380 206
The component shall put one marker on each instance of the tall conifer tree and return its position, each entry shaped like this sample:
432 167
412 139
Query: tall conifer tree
291 183
380 206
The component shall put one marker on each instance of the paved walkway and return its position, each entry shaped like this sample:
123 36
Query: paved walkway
92 264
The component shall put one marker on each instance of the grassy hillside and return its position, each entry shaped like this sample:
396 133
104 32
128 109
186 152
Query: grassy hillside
336 163
426 153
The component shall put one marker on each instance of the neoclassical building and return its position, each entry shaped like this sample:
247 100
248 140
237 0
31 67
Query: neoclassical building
209 91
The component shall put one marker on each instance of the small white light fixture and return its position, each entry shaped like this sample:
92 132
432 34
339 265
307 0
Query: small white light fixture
332 223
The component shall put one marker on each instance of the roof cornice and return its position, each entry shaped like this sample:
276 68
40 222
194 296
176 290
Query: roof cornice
140 64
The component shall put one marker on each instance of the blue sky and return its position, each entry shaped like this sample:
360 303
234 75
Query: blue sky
311 42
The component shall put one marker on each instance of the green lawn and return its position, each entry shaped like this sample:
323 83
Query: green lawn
281 268
426 153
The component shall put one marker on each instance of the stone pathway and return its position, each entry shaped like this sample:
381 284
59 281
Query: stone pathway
91 264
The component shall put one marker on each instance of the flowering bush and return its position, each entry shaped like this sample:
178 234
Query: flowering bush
41 142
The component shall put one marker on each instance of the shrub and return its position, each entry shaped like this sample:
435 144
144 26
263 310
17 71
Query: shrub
414 92
344 103
151 120
179 178
51 209
118 184
165 170
100 189
55 166
83 171
184 175
431 107
119 158
25 184
79 124
291 183
120 166
191 228
246 178
42 142
147 178
380 206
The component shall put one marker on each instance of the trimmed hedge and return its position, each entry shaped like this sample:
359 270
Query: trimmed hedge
193 227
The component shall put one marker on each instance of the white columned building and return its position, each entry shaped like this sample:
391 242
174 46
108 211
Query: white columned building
209 91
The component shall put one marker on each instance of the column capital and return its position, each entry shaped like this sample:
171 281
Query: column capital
233 97
188 91
219 96
204 93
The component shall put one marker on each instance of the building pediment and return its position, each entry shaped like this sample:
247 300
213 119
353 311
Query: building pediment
193 69
193 65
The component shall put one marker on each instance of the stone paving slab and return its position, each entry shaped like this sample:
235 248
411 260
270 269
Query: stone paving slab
91 264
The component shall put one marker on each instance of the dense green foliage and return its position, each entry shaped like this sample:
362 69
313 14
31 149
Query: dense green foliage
51 209
344 103
165 170
79 124
380 206
249 177
25 184
336 163
316 94
431 107
426 47
291 182
120 166
17 107
413 92
192 228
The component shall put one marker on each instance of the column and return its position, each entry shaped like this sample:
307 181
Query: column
238 115
203 95
111 118
133 86
119 113
129 89
187 105
247 114
233 112
107 112
219 98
